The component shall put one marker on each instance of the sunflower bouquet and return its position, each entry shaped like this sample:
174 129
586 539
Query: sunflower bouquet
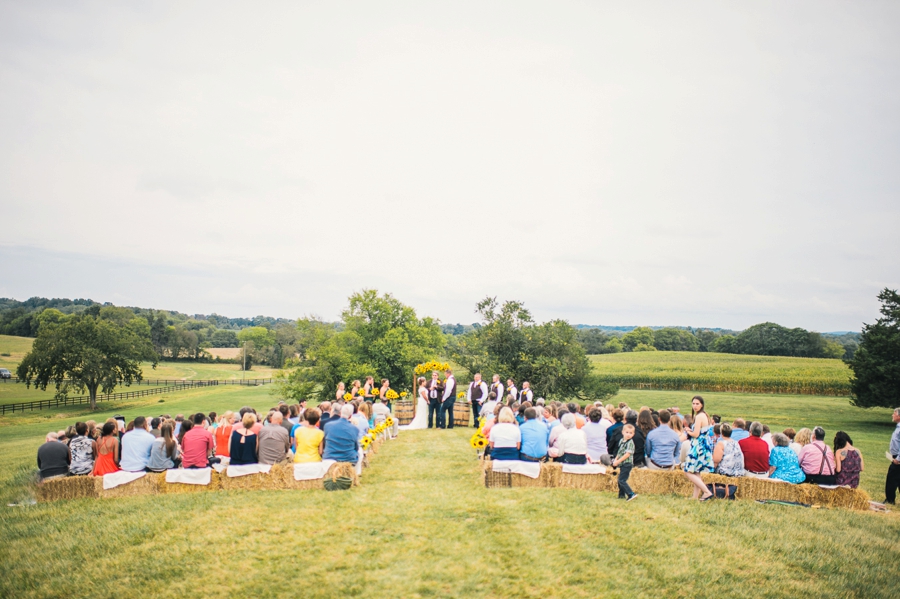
365 443
403 394
391 394
347 397
361 392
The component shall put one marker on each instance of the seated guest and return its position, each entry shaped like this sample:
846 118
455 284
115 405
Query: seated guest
83 450
638 459
662 447
677 425
574 408
767 436
535 438
783 463
848 460
165 453
505 438
222 436
801 439
817 460
487 410
571 446
107 449
756 452
325 410
53 457
341 441
308 446
645 422
244 442
595 433
274 442
285 419
360 417
197 445
737 430
727 455
136 446
154 427
617 415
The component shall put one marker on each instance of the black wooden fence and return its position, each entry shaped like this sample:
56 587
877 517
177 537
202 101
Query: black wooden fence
166 387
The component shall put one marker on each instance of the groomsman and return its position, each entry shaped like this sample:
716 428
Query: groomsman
475 395
511 389
434 399
527 393
497 387
448 400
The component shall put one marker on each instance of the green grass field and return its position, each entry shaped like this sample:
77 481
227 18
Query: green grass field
724 372
16 348
423 525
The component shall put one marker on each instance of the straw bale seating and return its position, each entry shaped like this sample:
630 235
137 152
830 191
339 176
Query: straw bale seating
651 482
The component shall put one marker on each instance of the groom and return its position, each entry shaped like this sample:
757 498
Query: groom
448 400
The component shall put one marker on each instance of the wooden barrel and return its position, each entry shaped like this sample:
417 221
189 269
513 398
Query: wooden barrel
403 412
461 413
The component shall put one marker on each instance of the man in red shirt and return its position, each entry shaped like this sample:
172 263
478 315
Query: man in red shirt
756 452
197 445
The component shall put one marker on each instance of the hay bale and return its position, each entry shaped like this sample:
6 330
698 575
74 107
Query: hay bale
588 482
255 482
148 484
336 470
70 487
494 480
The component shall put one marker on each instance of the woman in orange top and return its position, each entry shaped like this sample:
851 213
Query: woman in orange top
223 434
107 451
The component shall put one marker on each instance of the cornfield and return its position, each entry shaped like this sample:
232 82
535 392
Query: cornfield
700 371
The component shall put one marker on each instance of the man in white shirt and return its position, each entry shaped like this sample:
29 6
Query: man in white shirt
511 390
527 393
497 387
476 394
448 400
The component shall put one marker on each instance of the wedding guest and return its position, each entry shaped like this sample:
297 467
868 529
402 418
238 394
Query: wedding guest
325 410
505 438
341 441
727 455
154 427
645 422
107 460
244 441
136 446
571 445
274 441
511 390
817 460
638 439
308 439
801 439
892 482
767 436
286 423
738 432
783 463
487 410
83 450
574 408
624 464
699 459
223 434
595 433
197 444
663 445
535 438
360 417
434 399
53 458
617 416
476 394
165 453
848 461
756 452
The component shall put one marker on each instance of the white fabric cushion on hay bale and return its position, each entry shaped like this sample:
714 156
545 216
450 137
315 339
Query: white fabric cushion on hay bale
115 479
189 476
222 465
312 470
584 469
245 469
529 469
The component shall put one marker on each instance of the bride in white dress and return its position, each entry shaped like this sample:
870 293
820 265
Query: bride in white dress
421 418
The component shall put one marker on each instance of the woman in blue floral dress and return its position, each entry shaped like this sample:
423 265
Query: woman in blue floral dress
700 456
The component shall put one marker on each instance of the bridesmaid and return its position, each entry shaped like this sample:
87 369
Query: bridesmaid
368 387
339 394
354 390
385 385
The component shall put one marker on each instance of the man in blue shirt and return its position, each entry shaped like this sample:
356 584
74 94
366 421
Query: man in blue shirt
893 474
136 446
535 436
341 438
663 445
739 430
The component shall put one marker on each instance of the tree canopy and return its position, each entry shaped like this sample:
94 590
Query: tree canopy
87 351
378 336
548 355
876 363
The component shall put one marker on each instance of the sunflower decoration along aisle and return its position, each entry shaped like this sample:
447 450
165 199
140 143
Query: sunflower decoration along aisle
478 443
365 443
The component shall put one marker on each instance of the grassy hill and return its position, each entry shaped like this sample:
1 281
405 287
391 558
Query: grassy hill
701 371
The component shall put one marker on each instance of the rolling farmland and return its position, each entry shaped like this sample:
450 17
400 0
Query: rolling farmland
700 371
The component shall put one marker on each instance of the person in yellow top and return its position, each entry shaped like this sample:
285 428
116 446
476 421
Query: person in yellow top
308 439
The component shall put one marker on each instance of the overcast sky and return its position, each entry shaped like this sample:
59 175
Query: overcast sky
694 163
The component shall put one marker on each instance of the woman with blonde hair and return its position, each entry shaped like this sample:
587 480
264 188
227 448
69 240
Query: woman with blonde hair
222 437
339 394
505 437
803 437
244 442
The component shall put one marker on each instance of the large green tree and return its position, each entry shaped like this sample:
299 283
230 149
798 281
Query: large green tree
87 351
876 363
378 336
548 355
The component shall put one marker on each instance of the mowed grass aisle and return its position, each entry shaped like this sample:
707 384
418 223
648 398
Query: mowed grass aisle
422 525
